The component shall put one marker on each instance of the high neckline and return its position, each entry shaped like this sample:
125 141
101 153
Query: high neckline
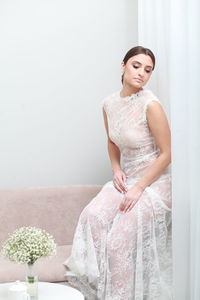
132 96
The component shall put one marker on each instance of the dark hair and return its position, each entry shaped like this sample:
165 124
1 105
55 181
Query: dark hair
138 50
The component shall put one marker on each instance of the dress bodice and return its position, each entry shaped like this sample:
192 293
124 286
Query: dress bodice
128 129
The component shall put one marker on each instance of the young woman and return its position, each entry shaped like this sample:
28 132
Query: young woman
122 244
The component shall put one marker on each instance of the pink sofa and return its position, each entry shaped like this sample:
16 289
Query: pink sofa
55 209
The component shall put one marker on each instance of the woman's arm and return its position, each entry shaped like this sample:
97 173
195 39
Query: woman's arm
113 150
119 178
159 127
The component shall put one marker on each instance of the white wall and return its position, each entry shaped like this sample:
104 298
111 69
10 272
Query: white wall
58 60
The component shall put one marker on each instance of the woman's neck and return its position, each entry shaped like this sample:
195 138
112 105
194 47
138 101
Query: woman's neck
127 91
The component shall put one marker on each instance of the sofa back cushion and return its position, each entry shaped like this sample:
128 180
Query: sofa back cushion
55 209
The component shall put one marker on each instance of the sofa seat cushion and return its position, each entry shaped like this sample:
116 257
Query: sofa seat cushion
47 269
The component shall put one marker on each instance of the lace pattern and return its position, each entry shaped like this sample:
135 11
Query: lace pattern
126 256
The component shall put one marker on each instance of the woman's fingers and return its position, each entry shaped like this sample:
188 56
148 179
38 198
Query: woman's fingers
118 187
123 204
124 186
127 204
131 206
124 179
130 199
120 182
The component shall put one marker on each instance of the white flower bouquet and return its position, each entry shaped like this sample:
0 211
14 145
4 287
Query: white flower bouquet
27 244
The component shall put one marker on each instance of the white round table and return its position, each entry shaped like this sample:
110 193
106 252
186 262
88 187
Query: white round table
48 291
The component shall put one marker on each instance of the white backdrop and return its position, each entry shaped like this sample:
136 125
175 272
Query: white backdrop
58 60
153 23
172 29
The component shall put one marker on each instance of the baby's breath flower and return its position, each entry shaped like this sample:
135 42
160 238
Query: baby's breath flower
27 244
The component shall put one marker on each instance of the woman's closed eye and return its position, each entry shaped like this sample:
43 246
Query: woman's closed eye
136 67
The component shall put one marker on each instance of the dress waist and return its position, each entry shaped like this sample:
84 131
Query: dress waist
137 166
130 159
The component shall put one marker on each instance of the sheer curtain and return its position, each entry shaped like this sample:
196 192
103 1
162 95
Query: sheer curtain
172 29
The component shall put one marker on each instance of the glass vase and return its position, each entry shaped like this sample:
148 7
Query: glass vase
32 282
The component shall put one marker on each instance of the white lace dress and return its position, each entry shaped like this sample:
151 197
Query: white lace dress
126 256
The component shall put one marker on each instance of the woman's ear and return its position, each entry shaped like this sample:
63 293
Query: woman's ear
122 67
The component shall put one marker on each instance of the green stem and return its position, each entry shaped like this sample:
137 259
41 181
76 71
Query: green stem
30 275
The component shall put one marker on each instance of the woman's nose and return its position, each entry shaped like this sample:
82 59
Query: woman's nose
141 72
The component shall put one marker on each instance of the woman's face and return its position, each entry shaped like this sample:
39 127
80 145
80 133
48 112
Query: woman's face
137 70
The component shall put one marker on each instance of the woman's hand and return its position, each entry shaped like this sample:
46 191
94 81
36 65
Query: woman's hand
119 181
131 198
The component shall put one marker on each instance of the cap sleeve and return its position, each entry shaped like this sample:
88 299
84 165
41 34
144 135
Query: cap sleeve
150 97
104 103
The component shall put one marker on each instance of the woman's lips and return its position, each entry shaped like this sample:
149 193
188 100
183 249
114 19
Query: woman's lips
138 79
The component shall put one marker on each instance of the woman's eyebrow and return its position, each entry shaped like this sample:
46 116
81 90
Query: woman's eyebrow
140 63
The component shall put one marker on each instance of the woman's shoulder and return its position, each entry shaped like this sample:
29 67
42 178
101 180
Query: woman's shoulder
108 99
149 96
